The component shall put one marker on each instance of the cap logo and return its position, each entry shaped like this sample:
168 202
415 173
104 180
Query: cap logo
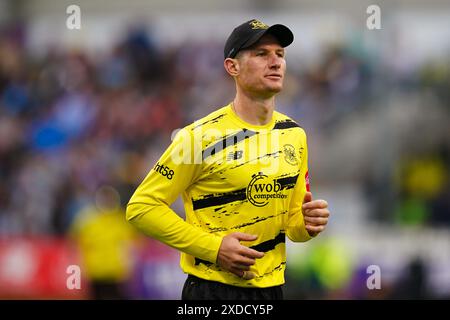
256 24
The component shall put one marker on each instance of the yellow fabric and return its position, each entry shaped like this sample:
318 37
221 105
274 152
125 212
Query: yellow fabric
253 183
105 242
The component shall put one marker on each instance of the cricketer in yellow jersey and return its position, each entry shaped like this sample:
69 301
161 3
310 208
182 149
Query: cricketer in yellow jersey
242 172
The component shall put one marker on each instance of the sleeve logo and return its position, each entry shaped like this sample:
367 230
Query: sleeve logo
165 171
307 181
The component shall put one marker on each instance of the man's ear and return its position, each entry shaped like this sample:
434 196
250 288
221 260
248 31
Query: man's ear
231 66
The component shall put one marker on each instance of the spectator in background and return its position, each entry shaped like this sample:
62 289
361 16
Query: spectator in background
413 284
106 243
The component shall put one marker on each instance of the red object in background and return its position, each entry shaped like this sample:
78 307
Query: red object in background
36 268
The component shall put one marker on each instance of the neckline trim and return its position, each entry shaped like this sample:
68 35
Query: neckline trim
242 123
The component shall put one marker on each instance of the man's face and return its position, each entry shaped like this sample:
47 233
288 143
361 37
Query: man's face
262 67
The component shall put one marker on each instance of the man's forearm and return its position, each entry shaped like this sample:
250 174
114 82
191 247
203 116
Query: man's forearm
162 223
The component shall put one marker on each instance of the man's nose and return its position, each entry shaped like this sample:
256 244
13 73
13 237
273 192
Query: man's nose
275 62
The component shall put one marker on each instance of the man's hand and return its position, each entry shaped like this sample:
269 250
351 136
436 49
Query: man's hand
315 213
237 258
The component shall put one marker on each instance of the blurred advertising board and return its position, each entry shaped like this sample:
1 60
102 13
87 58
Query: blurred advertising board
40 268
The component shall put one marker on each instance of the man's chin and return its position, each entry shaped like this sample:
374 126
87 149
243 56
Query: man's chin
269 91
276 86
275 89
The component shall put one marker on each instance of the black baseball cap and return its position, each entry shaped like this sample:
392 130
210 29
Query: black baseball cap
248 33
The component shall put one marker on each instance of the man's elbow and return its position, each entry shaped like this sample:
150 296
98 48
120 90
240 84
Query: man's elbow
131 212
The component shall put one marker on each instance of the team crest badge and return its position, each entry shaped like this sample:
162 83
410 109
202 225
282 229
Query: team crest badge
256 24
290 155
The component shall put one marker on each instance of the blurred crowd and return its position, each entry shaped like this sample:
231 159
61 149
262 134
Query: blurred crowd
76 129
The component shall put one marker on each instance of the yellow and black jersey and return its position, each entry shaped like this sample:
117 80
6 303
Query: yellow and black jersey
233 177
